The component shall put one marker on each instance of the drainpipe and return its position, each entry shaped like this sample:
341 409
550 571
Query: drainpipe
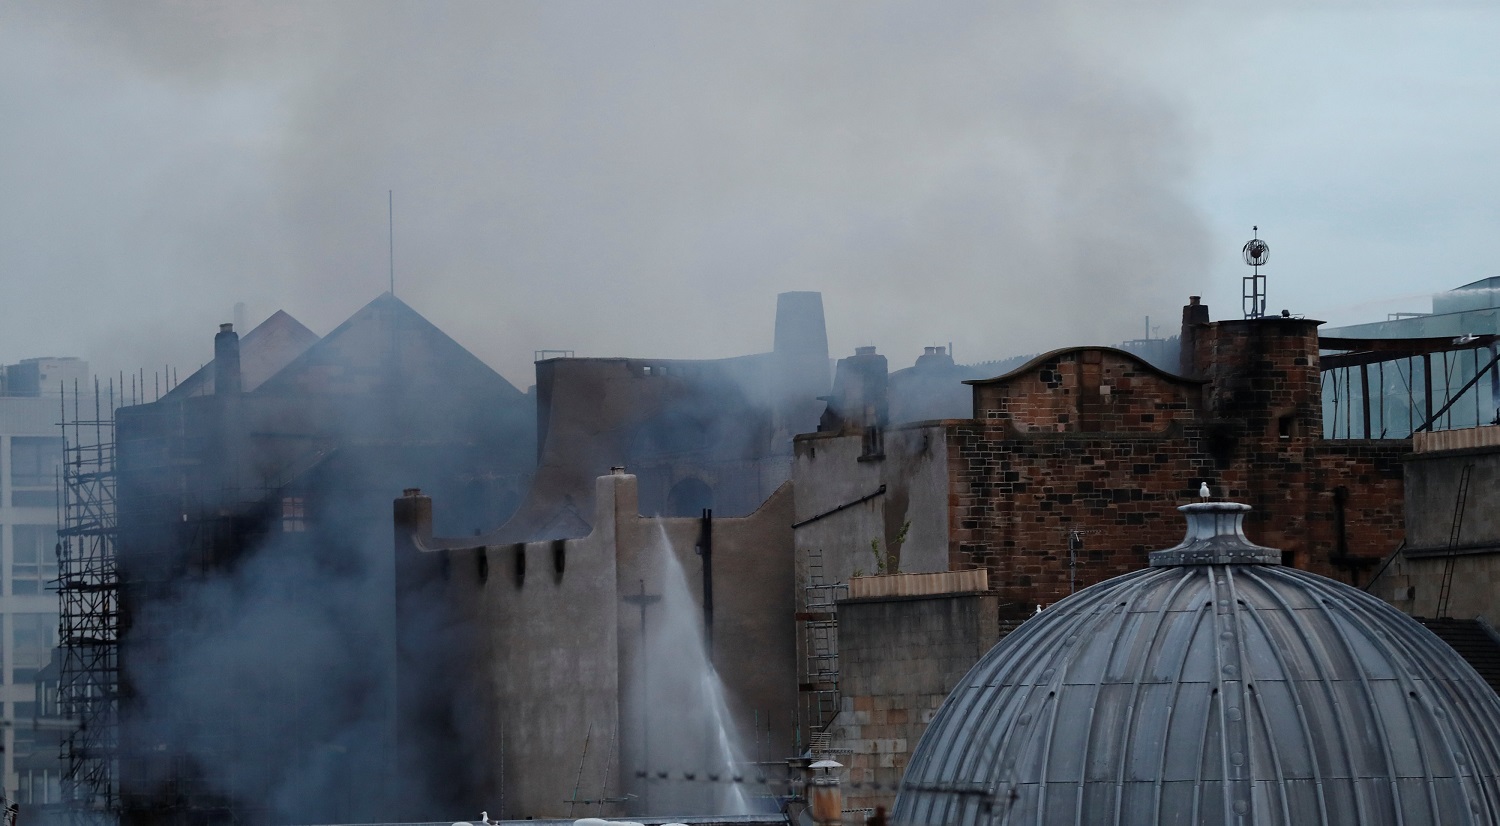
706 550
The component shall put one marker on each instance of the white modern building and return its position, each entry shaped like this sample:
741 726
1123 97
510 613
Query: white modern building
31 455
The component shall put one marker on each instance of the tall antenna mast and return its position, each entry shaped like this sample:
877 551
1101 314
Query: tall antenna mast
1256 252
390 213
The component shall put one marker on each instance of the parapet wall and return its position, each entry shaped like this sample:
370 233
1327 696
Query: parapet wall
547 640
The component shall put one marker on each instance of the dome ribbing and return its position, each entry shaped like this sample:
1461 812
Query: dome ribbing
1197 692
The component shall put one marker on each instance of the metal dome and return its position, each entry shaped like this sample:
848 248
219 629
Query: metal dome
1205 690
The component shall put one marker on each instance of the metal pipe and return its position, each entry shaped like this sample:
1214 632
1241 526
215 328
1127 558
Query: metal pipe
1427 425
706 550
1364 385
1427 388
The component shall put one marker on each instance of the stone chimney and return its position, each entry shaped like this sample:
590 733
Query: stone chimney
934 358
859 403
800 360
1194 317
226 361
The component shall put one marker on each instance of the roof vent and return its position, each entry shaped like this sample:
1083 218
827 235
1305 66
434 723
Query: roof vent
1215 536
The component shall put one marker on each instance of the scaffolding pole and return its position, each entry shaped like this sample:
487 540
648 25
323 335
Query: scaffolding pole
88 588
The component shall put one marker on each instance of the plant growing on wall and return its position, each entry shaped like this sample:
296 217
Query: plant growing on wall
889 563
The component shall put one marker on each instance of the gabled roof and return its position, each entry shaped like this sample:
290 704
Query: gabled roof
264 351
1045 357
383 335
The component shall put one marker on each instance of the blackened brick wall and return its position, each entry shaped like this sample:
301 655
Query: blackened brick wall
1094 440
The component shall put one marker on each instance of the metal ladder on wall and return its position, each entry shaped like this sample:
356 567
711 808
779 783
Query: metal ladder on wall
1445 591
820 633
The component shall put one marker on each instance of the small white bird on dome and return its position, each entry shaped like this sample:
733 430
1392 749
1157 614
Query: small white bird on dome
1203 491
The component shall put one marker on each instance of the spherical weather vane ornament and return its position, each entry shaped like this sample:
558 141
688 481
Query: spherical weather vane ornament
1256 251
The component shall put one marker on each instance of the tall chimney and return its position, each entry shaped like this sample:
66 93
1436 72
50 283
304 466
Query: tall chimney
226 361
1194 318
800 361
859 401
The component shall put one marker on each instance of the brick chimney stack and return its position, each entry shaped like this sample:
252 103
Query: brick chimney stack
1194 318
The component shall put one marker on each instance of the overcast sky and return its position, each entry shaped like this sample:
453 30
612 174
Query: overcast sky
642 178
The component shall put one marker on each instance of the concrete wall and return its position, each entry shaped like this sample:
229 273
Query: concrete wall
1413 584
718 425
752 640
899 657
554 663
830 471
550 644
1413 581
1432 482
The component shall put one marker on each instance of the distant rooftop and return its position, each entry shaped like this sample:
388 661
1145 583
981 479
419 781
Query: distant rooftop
1473 308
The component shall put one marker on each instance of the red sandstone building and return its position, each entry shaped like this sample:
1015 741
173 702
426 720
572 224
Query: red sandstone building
1093 446
1067 474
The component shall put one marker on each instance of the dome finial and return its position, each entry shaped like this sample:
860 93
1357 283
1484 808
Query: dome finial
1215 536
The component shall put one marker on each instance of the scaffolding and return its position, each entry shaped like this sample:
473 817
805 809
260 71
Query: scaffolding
819 680
88 588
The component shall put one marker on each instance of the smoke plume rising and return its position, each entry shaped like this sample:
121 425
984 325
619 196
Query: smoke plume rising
599 177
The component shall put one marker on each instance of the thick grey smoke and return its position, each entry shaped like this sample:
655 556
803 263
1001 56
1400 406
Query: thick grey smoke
603 177
275 684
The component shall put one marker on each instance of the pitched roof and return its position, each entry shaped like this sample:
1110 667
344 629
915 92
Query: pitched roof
386 335
272 345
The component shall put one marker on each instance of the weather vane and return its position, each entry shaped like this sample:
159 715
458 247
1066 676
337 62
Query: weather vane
1256 252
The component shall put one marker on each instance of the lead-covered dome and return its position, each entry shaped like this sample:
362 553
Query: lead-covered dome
1214 687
